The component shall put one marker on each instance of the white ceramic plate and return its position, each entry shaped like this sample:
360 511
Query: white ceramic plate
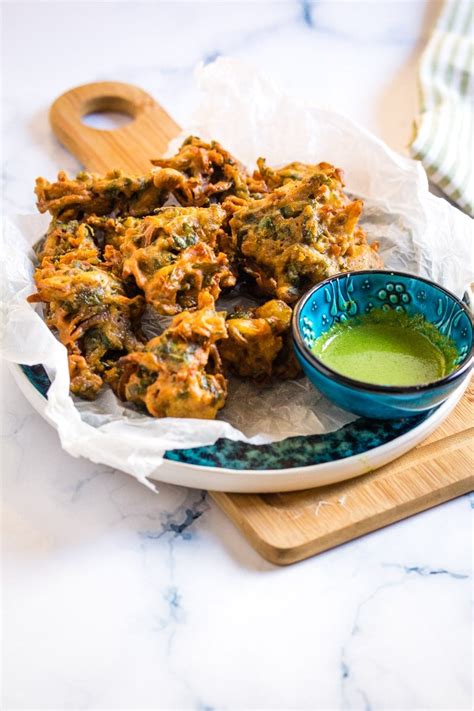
218 478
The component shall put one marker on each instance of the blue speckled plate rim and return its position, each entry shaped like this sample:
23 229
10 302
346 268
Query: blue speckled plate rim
355 438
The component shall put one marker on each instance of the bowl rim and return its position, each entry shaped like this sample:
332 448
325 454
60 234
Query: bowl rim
307 355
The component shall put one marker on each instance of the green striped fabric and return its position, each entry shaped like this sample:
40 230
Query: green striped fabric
444 140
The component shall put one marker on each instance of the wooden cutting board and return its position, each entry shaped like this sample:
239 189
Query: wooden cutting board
283 528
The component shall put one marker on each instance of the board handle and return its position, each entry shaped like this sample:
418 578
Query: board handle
129 147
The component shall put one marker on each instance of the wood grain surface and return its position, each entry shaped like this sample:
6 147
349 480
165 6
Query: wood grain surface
129 147
285 528
288 527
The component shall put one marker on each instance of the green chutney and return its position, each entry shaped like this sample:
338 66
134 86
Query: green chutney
387 348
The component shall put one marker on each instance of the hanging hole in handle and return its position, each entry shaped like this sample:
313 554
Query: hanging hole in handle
106 120
108 113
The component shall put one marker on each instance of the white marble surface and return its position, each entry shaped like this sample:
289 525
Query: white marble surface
115 598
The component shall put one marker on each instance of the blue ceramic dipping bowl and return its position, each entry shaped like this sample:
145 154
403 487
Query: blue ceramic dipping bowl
351 294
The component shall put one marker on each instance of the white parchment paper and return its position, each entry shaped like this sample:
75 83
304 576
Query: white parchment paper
251 117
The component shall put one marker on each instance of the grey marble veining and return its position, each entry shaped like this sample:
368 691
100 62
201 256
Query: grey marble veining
119 598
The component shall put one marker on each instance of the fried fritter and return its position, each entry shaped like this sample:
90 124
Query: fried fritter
173 229
115 194
177 285
270 178
212 173
96 238
88 308
301 233
65 237
172 257
178 374
256 346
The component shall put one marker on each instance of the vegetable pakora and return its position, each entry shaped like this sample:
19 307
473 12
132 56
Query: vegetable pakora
301 233
212 173
88 308
173 257
177 374
113 194
259 344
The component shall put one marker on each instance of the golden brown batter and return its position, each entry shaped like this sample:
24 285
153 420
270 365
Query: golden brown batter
196 225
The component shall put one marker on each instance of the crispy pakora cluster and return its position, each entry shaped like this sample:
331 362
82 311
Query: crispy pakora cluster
301 232
86 305
174 255
259 342
174 241
177 374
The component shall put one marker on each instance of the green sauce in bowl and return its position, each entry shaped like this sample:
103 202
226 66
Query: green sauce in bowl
387 348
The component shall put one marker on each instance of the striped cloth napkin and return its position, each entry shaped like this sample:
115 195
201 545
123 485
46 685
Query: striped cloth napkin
444 140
